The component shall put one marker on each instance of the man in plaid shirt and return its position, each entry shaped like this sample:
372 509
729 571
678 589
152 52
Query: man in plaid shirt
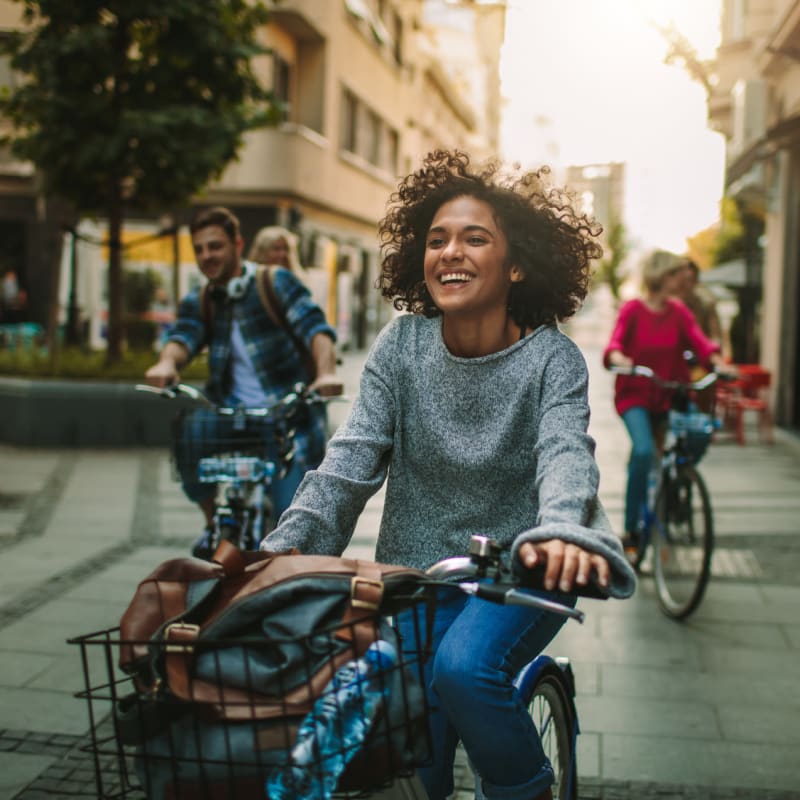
253 361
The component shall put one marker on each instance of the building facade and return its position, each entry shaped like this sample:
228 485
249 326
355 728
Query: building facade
755 103
369 87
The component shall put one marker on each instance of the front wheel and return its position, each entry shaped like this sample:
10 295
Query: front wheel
684 542
553 714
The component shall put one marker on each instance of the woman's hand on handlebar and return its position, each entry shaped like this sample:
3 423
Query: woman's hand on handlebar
565 565
616 358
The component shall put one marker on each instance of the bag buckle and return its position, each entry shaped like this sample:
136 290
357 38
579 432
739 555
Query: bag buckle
183 630
370 602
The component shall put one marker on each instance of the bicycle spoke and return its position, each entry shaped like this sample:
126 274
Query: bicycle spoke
549 713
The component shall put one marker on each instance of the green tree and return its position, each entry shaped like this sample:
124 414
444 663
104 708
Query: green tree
740 229
133 105
615 250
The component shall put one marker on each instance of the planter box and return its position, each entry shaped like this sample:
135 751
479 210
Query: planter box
59 413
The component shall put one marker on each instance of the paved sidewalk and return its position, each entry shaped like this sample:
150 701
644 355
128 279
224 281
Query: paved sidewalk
708 708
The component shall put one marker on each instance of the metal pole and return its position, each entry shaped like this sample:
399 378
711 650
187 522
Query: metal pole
73 336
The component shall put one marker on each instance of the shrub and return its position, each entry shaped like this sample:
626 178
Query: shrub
72 362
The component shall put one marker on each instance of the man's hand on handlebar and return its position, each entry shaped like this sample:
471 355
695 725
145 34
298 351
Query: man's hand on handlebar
162 374
327 386
565 565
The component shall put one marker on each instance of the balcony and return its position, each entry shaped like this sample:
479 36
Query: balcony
295 162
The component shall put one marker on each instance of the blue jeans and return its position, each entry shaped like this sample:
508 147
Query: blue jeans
478 648
644 452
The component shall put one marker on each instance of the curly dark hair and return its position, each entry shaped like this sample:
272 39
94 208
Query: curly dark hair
548 240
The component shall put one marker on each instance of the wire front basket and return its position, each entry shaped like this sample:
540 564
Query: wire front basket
226 719
209 447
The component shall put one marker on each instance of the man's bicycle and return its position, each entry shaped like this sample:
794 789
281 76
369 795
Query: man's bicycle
677 521
241 451
181 738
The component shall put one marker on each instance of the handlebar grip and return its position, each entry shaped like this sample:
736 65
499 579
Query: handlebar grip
534 579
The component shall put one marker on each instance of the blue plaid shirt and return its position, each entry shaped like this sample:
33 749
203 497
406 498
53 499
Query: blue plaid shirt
277 363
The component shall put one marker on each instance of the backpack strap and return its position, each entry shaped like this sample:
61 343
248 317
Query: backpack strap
269 299
266 291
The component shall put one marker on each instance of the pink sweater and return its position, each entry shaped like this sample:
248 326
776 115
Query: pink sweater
656 340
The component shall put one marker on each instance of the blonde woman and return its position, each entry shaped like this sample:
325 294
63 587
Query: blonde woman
654 331
276 245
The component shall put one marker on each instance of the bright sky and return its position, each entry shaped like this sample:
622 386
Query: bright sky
585 82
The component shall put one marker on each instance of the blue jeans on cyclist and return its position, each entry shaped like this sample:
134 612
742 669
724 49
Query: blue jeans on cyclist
478 649
644 453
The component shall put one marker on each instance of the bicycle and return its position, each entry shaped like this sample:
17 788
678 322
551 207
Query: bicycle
546 685
677 518
239 463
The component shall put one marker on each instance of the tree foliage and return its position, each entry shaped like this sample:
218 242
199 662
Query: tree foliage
683 53
740 230
133 104
615 249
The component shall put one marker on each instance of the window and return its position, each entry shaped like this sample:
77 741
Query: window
390 150
366 134
349 121
379 20
372 151
281 84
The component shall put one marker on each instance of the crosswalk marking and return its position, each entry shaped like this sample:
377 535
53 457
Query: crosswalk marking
735 563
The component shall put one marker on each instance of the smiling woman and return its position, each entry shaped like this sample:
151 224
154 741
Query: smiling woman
449 214
473 408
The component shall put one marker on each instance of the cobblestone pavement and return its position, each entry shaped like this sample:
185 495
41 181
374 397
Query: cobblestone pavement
72 775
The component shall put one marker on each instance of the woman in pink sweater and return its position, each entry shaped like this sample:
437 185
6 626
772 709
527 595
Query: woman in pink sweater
653 331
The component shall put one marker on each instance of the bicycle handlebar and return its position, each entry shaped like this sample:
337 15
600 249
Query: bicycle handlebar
300 393
483 575
645 372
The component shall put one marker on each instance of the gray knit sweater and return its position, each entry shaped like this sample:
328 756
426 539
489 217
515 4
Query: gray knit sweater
495 445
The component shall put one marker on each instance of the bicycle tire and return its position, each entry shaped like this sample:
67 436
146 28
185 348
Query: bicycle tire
230 533
683 542
552 714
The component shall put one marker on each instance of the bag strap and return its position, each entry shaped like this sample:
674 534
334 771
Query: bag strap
265 277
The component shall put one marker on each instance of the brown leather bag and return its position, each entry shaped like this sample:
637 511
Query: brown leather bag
186 601
239 649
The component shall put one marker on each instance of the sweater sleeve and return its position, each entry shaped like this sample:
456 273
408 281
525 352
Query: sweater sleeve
189 329
567 476
619 335
330 499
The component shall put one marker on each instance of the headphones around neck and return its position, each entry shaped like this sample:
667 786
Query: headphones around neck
237 286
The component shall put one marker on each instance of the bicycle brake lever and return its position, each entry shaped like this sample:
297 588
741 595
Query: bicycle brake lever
510 596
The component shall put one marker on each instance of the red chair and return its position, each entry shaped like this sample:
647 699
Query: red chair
747 393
